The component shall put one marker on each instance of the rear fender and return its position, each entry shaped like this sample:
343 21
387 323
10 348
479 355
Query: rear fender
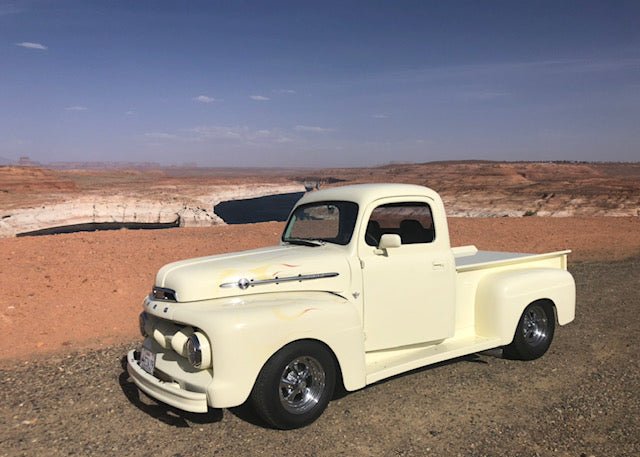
502 297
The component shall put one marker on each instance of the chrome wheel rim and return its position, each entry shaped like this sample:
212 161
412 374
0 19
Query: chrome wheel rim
535 325
301 384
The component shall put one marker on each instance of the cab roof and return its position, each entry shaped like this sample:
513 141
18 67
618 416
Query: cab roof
365 193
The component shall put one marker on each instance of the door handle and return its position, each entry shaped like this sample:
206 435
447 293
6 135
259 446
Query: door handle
438 265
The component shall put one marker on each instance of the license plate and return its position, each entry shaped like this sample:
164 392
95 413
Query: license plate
147 360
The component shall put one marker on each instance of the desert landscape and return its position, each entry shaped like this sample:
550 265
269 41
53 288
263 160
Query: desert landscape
33 199
70 303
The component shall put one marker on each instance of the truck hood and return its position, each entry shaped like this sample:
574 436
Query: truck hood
274 269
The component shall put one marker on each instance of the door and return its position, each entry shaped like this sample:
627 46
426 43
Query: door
409 291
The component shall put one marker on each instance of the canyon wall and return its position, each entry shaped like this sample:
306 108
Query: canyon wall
193 210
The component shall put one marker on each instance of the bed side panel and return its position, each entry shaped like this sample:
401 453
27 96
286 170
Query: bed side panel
502 297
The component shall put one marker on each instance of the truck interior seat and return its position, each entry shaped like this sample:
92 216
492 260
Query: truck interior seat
373 233
411 231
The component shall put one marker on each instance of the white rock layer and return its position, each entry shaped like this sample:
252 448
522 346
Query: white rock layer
189 211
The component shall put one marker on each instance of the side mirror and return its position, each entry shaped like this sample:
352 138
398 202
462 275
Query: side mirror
388 240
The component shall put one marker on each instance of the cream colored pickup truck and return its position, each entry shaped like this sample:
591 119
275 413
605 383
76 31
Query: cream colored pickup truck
362 286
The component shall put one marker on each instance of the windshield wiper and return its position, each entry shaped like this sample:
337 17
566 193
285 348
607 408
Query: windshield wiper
303 242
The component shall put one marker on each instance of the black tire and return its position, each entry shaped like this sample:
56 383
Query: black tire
295 385
534 332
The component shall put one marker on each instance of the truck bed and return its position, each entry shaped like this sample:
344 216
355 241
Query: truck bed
470 258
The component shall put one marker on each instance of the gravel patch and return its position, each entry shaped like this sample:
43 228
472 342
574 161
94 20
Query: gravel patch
581 399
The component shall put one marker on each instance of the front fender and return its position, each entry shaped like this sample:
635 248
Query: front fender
502 297
244 332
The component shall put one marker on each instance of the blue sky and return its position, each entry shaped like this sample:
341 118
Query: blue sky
304 83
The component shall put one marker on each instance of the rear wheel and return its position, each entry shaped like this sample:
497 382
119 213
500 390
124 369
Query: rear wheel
534 332
295 385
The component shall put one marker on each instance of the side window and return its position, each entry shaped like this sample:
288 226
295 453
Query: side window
411 220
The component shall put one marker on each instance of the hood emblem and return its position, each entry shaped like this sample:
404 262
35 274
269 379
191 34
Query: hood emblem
244 283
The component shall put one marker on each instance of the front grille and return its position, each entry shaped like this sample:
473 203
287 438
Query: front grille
161 293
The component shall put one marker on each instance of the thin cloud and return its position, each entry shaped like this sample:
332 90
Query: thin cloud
29 45
310 128
380 116
77 108
539 68
232 136
482 95
284 92
161 136
204 99
238 135
218 132
260 98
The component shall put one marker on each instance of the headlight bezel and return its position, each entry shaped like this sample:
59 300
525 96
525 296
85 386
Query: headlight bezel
198 351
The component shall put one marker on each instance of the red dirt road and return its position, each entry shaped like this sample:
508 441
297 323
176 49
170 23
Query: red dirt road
79 291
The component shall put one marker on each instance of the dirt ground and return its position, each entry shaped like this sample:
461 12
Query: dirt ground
581 399
82 291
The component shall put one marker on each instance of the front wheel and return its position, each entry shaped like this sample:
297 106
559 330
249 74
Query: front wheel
295 385
534 332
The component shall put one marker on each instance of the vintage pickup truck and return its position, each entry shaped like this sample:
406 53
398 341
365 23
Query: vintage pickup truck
362 286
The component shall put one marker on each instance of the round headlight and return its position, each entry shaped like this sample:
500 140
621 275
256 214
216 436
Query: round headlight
199 351
143 321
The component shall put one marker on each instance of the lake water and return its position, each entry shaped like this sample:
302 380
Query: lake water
261 209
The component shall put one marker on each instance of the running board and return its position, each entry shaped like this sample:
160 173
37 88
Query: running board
384 364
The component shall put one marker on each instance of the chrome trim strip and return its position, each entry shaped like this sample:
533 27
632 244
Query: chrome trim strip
244 283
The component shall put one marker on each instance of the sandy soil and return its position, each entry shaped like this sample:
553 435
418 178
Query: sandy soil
81 291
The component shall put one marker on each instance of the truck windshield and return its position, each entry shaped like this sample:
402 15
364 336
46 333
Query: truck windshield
332 222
